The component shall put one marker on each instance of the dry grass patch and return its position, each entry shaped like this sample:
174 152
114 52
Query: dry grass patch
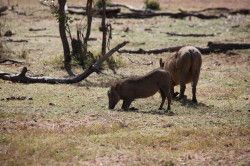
70 124
90 143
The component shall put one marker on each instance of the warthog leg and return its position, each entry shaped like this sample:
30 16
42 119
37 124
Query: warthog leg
194 94
182 89
184 74
163 98
194 84
174 94
165 94
126 103
195 78
169 100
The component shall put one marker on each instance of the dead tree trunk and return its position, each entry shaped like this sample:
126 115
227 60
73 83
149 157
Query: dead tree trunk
88 31
23 78
104 27
65 43
89 20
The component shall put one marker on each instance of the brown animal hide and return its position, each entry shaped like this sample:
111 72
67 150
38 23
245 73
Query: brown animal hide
184 67
141 87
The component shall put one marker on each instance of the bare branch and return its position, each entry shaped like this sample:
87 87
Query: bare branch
23 78
11 61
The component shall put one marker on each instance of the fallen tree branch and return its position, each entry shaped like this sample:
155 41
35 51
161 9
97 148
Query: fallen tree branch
240 11
17 98
110 12
37 29
55 36
212 47
227 46
77 7
17 41
49 36
189 35
243 11
152 51
115 12
11 61
224 11
179 15
23 78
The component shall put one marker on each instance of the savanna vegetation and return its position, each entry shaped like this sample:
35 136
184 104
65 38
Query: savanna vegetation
44 124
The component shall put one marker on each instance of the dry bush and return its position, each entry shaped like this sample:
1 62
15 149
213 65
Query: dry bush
152 4
98 3
4 51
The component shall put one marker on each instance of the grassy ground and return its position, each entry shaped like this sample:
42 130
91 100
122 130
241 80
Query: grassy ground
70 124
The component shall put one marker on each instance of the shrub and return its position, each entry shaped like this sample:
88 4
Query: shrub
152 4
114 62
2 51
5 52
55 61
98 3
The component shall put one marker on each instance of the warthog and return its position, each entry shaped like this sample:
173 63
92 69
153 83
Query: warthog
140 87
184 67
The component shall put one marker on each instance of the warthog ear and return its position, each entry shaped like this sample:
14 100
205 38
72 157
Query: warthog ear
109 92
176 55
116 87
161 63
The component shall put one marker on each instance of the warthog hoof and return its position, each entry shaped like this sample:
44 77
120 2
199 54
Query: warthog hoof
175 94
133 109
184 97
194 101
169 113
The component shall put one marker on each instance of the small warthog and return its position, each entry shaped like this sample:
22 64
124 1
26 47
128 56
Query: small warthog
140 87
184 67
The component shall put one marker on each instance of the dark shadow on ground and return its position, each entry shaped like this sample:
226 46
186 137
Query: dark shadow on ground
152 112
184 102
189 103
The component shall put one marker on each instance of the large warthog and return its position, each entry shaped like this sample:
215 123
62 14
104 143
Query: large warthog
140 87
184 67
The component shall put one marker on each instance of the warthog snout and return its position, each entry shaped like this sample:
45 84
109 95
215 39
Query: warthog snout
113 98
